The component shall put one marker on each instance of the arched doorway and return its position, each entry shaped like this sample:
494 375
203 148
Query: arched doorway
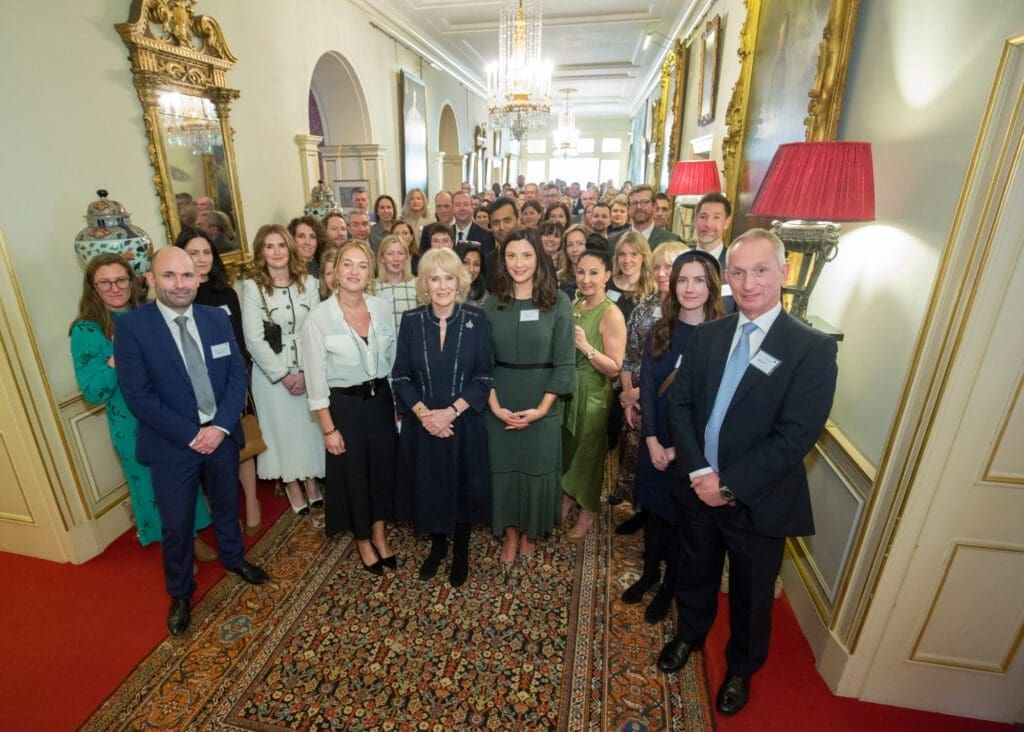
448 143
348 155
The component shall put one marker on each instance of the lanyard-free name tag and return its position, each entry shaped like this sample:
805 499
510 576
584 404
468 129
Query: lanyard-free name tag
527 316
614 295
226 309
657 312
764 362
726 290
220 350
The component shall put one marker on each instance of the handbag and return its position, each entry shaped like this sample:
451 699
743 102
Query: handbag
271 331
254 444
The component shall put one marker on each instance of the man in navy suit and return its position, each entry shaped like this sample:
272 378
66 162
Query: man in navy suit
711 218
749 402
184 379
465 228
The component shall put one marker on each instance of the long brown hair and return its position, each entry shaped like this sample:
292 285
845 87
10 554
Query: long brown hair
646 285
661 332
545 286
296 269
91 305
318 231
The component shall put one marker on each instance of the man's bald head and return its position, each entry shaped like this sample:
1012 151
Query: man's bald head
173 276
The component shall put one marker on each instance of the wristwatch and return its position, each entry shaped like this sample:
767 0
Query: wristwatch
590 354
727 495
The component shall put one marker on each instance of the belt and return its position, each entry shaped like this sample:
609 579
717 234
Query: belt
365 390
524 366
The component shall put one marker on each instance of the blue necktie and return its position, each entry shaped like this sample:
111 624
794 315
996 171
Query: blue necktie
734 368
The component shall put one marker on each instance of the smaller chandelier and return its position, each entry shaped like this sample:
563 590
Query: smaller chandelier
566 136
519 85
190 122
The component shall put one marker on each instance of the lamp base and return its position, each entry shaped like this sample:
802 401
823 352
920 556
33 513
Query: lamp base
809 245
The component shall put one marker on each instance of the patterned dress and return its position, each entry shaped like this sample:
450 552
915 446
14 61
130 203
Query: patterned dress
639 324
90 351
584 427
401 297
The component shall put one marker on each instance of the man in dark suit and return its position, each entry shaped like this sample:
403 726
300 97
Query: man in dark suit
641 214
504 215
750 400
465 228
184 379
711 219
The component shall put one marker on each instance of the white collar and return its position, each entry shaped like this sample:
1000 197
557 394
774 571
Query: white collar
764 321
646 232
170 315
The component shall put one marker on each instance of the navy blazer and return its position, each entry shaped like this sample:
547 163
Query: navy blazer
772 422
477 233
157 386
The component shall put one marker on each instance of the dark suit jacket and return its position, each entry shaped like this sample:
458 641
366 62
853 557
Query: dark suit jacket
483 236
658 236
157 387
772 422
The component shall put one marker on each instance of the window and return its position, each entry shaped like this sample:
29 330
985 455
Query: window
586 145
579 169
536 170
611 170
536 147
611 144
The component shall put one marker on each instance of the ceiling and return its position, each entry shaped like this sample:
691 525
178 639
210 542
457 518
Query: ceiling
595 46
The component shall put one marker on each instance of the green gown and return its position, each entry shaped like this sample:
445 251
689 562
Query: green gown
532 356
585 422
90 351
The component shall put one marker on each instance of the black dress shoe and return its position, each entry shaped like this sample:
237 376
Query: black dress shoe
632 525
376 568
675 654
178 617
660 605
733 694
251 573
634 594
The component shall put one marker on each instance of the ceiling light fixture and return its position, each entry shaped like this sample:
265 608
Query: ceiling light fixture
566 136
519 85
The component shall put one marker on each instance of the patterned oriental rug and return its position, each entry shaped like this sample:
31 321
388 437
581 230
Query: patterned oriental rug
325 645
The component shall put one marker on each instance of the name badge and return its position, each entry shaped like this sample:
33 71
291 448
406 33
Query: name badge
657 311
220 350
527 316
726 290
226 309
614 295
764 362
387 295
386 329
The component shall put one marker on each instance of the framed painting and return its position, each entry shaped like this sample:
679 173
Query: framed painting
343 190
795 55
414 133
708 71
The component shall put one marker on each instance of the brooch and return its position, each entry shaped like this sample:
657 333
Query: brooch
469 324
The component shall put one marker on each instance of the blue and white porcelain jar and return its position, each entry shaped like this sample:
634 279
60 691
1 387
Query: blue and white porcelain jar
110 230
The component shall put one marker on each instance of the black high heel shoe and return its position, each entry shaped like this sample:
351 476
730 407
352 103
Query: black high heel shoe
376 568
389 562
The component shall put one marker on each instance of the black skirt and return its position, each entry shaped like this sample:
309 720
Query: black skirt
360 483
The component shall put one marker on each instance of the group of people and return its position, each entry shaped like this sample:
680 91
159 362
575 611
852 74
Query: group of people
452 369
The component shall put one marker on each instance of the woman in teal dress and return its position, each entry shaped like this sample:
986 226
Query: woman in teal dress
600 339
531 336
108 290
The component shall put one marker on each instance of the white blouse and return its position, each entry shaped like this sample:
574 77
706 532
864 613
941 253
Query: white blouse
334 355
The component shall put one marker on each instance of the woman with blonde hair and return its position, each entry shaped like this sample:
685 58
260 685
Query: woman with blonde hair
620 215
276 299
348 347
407 233
442 393
328 273
640 321
395 282
415 212
632 280
110 289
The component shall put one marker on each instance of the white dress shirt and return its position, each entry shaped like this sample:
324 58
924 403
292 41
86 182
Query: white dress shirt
190 326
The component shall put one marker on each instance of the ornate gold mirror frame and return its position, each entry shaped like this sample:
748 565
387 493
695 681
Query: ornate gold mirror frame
176 52
670 97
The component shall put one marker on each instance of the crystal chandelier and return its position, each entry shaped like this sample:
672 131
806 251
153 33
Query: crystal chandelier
519 85
566 136
190 122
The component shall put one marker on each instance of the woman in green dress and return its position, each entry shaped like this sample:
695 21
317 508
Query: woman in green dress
108 290
531 335
600 339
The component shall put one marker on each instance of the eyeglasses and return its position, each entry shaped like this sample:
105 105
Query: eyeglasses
107 285
640 204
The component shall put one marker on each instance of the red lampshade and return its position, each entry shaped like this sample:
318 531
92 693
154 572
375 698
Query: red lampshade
694 178
818 181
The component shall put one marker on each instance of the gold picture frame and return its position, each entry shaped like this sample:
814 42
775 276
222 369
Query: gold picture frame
173 51
668 114
774 87
709 42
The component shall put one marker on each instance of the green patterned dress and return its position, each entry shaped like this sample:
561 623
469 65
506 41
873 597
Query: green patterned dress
585 421
532 357
90 351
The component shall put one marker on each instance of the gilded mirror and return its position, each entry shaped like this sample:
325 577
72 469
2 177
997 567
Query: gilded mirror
179 62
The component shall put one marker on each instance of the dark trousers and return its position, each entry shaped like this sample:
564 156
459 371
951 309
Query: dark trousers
176 485
706 536
661 544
